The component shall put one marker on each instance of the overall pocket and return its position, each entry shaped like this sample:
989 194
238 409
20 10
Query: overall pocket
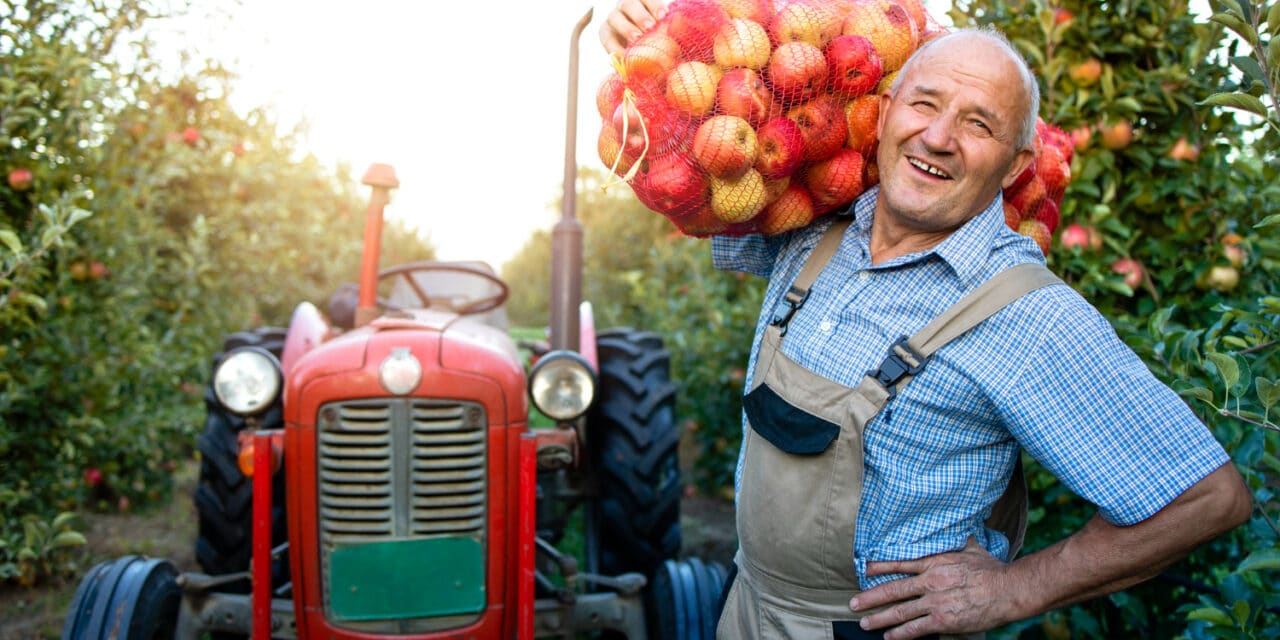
786 426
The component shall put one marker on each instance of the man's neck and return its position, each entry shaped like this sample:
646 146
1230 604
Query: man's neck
890 240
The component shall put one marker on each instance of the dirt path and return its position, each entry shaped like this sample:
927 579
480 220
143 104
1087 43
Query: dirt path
170 531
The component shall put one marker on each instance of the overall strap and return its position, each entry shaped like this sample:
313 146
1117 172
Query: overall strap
817 261
908 356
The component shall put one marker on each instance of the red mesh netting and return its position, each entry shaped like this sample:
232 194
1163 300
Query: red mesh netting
756 116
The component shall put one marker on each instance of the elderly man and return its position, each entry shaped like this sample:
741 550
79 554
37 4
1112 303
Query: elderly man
866 503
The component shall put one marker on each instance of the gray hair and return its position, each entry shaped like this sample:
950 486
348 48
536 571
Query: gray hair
1030 87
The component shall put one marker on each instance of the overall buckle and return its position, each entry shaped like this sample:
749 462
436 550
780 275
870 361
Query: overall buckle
902 361
795 298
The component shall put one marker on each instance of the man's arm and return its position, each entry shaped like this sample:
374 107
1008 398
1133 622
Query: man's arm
970 591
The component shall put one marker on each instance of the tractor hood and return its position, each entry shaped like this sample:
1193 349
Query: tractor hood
445 344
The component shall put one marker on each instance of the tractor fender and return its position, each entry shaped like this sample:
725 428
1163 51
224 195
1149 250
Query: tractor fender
124 598
307 330
587 335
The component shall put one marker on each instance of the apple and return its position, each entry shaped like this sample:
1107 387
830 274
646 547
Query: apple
1029 197
813 24
98 271
1012 217
773 188
92 477
702 223
835 182
1080 137
238 149
1117 136
652 55
886 82
1062 16
1053 169
915 9
871 172
691 87
861 115
629 129
1231 248
738 199
793 209
191 136
797 71
1131 270
671 184
780 146
1022 179
79 271
1183 150
822 127
666 128
20 179
889 28
1085 73
759 11
742 93
609 95
725 146
741 43
1220 278
1047 213
693 24
1037 231
854 65
1075 237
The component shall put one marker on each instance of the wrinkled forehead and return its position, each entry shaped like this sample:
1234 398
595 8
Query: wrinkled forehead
978 68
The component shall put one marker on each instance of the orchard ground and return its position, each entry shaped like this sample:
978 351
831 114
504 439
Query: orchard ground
169 531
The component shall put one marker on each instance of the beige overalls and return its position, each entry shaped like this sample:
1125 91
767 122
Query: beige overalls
801 480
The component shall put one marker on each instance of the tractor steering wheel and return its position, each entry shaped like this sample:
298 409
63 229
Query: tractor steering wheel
467 307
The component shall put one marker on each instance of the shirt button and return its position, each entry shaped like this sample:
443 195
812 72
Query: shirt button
825 326
863 276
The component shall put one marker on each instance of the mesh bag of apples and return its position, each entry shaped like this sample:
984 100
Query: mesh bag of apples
732 117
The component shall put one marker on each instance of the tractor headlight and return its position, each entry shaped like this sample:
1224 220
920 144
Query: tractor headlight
562 385
247 380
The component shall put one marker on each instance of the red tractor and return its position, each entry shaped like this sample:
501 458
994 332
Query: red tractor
374 474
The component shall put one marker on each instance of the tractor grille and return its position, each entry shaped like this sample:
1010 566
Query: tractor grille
398 468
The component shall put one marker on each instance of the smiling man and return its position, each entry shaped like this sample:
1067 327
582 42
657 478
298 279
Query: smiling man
870 507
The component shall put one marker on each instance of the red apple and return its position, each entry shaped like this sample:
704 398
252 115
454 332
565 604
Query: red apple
773 187
1012 217
919 17
693 24
861 115
652 55
742 93
738 199
691 87
1131 270
759 11
1085 73
822 127
1117 136
854 65
811 23
725 146
1080 137
92 477
671 184
609 95
1053 169
1029 197
797 71
835 182
98 271
741 43
191 136
20 179
889 28
871 172
1037 231
1183 150
792 210
1062 16
702 223
781 148
1075 237
1047 213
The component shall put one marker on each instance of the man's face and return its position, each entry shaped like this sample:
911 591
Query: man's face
948 139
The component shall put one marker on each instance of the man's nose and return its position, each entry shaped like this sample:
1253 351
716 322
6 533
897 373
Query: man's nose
939 135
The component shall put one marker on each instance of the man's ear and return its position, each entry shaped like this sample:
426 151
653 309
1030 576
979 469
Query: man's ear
1021 161
885 100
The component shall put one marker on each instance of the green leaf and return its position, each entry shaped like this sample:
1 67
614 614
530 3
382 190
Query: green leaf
1259 560
1238 25
26 554
67 539
1240 611
11 240
1227 368
1241 101
1199 393
1250 67
63 520
1159 319
1268 392
1129 103
1273 19
1271 220
1210 614
1273 52
1232 6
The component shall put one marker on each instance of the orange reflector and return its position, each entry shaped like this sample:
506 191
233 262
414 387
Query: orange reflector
245 459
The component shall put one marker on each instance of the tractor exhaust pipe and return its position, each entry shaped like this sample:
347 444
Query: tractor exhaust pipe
382 177
566 236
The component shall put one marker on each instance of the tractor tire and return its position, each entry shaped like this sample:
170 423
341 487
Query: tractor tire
129 598
224 496
633 446
681 601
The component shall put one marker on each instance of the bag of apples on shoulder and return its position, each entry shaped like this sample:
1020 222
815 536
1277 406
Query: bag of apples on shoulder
733 117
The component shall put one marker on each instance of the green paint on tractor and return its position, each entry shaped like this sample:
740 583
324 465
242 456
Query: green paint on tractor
406 579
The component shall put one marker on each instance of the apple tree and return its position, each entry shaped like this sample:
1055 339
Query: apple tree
1163 229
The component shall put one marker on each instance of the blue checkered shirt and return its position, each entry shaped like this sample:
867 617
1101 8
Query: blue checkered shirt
1047 373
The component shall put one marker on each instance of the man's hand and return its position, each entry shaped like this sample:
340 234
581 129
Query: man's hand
626 22
958 592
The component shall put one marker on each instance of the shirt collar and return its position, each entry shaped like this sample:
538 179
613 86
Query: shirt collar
965 251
